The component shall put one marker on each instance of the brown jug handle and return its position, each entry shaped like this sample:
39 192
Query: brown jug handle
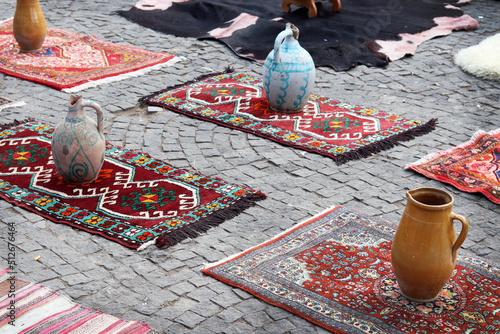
463 233
100 118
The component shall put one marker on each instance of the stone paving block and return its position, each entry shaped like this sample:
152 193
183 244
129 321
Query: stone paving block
75 279
280 326
230 314
258 319
237 328
64 269
205 309
226 299
215 324
41 276
181 288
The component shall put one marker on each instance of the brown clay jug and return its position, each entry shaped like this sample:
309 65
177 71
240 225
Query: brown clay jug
29 27
424 249
78 143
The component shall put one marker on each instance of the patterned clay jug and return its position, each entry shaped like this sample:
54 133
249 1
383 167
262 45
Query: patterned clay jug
424 249
29 26
288 73
78 143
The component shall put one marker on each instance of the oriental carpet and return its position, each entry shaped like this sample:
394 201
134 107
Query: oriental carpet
326 126
335 271
136 200
473 166
363 32
27 307
71 62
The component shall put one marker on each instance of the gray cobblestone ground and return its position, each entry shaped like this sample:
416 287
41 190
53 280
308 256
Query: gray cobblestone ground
165 287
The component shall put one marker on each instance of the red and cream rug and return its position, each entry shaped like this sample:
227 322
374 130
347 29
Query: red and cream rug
326 126
136 200
71 62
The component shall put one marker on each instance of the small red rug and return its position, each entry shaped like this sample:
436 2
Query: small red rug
27 308
473 166
70 61
136 200
325 126
335 271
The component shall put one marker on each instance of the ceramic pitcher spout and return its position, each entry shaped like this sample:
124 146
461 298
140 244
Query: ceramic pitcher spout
74 99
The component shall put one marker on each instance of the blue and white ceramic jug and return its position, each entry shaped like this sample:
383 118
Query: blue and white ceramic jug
78 143
289 73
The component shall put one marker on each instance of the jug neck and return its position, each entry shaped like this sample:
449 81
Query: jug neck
430 199
27 2
75 109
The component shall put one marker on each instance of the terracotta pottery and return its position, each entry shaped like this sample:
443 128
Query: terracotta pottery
288 73
78 143
29 27
424 249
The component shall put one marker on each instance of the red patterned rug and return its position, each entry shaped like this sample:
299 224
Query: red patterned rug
473 166
70 61
335 271
27 307
326 126
136 200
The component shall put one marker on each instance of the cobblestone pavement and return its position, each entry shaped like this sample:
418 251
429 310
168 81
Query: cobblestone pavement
165 287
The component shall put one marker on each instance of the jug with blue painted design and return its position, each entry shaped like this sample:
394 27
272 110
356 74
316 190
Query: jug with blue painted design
78 143
288 73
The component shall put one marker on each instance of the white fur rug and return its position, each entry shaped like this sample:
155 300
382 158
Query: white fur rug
483 59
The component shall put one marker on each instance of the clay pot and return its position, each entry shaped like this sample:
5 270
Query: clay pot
78 143
288 73
424 249
29 27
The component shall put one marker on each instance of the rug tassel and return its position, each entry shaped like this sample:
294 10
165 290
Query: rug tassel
387 143
15 123
195 229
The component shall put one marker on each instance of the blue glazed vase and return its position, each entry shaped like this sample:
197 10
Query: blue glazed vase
78 143
288 73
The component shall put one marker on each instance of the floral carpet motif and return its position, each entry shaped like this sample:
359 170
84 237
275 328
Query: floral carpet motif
325 126
27 307
473 166
136 200
335 271
73 61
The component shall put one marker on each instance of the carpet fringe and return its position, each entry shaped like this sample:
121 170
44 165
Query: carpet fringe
386 144
139 72
207 266
15 123
195 229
